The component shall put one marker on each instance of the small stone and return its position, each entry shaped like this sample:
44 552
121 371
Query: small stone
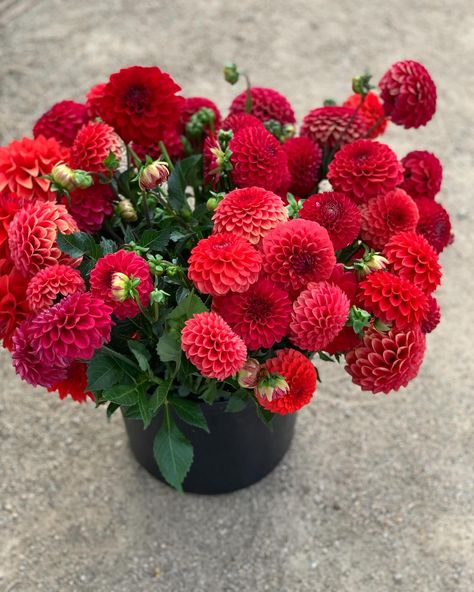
397 578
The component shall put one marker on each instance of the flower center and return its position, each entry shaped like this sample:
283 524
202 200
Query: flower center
135 98
302 262
257 309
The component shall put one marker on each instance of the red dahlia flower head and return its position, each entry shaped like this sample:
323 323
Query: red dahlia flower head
90 207
386 215
237 121
52 282
384 362
23 163
258 159
14 306
337 213
93 144
192 105
432 315
93 98
300 375
32 237
332 126
261 315
408 94
267 103
9 206
413 258
344 341
72 329
434 223
423 174
365 169
319 314
140 104
297 252
371 110
210 344
74 385
171 140
224 263
346 280
392 299
62 122
250 212
133 267
304 160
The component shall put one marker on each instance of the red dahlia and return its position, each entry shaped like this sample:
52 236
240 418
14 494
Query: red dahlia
140 104
250 212
346 280
300 375
371 110
297 252
365 169
344 341
432 315
9 206
304 160
434 223
326 125
224 263
408 94
192 105
384 362
171 140
261 315
237 121
267 103
386 215
51 282
337 213
90 207
423 174
211 345
93 97
62 122
74 385
13 304
92 146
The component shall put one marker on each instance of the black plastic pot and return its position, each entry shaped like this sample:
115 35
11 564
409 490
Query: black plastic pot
239 450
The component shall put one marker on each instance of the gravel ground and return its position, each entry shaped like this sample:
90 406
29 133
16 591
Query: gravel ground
376 493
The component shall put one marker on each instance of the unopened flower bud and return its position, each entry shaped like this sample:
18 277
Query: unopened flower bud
231 73
371 261
120 283
158 296
171 270
127 211
65 178
272 386
248 374
153 174
82 180
211 204
361 84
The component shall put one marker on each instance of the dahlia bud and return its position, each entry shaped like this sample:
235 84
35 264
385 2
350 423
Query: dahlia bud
82 180
361 84
123 287
329 103
200 121
231 73
211 204
127 211
156 264
153 174
158 296
247 376
65 178
358 319
272 386
371 261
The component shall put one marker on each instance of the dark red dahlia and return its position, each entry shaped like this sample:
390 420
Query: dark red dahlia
9 206
344 341
267 103
304 160
237 121
90 207
52 282
171 140
14 306
346 280
74 385
93 144
192 105
62 122
331 126
93 97
432 315
371 110
423 174
434 223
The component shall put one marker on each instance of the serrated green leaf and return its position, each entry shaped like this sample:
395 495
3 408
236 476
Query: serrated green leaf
75 244
107 368
123 394
160 394
168 348
155 240
190 412
187 308
141 353
145 406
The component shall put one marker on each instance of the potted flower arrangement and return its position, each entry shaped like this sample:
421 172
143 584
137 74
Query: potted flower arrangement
188 268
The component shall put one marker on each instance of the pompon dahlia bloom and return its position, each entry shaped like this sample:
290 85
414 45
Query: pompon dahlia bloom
9 206
423 174
371 110
304 160
432 315
71 330
133 266
223 263
434 223
24 162
238 121
346 279
14 306
297 252
90 207
51 282
386 215
267 103
392 299
261 315
192 105
300 375
32 236
344 341
74 385
258 159
93 97
337 213
250 212
319 314
413 258
325 125
92 146
365 169
386 361
62 122
211 345
408 94
140 104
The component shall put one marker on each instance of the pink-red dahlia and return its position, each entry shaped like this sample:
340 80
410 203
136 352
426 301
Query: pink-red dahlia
14 306
93 97
51 282
371 110
90 207
331 126
267 103
92 145
304 160
423 174
62 122
74 385
237 121
432 315
434 223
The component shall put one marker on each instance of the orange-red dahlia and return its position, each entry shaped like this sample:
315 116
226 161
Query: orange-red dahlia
432 315
90 207
386 215
413 258
392 299
267 103
319 314
14 306
434 223
51 282
304 160
62 122
211 345
261 315
9 206
408 94
326 125
344 341
133 267
297 252
423 174
365 169
337 213
300 375
92 146
140 103
258 159
384 362
224 263
24 162
237 121
74 385
250 212
346 279
192 105
32 236
92 99
371 110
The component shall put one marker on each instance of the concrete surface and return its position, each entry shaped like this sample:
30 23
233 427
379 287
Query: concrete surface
376 494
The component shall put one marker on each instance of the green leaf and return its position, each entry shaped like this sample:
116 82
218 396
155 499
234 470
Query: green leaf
107 368
325 357
237 401
132 412
76 244
160 394
185 173
210 393
186 309
358 319
155 240
107 246
168 348
145 406
111 409
123 394
265 415
141 353
173 452
190 412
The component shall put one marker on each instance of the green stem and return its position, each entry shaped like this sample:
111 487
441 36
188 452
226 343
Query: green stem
374 126
347 126
166 156
146 210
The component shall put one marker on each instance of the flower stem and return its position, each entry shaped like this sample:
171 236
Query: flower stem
165 155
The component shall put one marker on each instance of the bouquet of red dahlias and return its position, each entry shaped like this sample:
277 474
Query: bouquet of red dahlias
155 255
